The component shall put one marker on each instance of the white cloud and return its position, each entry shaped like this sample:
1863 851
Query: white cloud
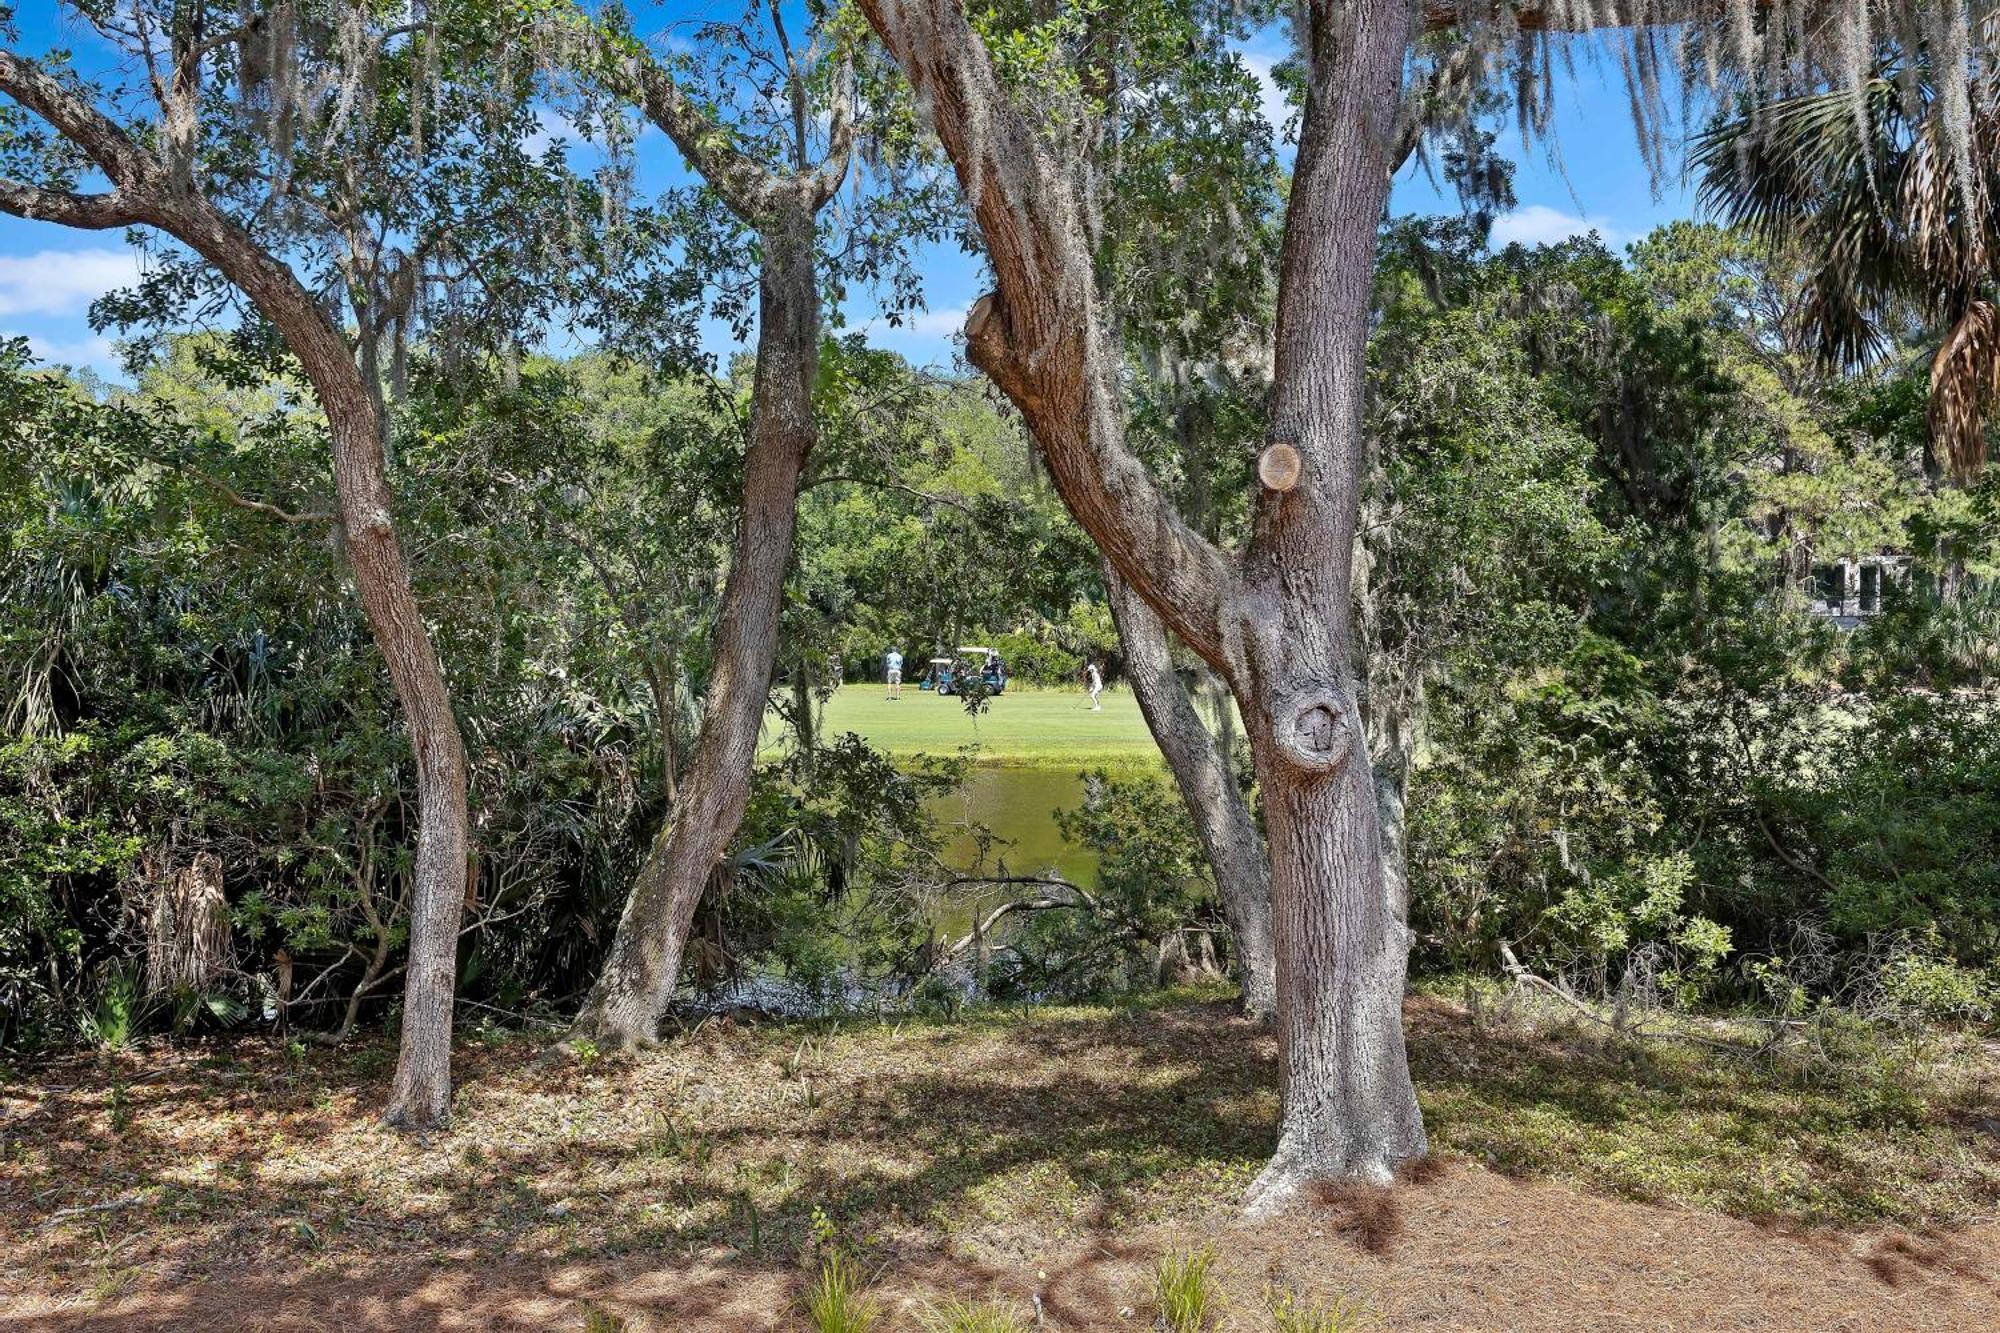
549 127
1538 224
945 323
96 353
62 282
1271 98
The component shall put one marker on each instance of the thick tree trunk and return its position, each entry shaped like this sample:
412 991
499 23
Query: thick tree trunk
1275 623
420 1097
625 1006
1201 770
1349 1107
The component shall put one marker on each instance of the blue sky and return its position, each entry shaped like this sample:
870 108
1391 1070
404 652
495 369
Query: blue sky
49 275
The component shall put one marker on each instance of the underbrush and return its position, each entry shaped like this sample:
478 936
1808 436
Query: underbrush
1824 1120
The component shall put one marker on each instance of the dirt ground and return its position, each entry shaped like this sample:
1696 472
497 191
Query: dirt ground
1044 1160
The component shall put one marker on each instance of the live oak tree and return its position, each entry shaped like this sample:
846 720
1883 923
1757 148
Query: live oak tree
775 186
1276 619
1185 183
287 146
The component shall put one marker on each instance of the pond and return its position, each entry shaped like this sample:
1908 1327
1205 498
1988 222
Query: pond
1018 806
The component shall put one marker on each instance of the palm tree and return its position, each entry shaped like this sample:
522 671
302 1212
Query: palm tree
1887 192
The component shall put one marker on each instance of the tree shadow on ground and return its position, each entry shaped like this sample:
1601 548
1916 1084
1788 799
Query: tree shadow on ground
737 1152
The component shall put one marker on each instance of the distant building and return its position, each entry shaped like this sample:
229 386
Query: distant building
1850 591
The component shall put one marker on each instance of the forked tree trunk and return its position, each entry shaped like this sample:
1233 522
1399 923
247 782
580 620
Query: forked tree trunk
625 1006
1349 1107
1201 770
1275 622
420 1097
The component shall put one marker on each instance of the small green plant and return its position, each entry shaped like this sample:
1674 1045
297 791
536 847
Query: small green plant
1292 1313
121 1108
824 1232
836 1303
668 1138
114 1017
601 1321
956 1316
1182 1291
370 1062
586 1052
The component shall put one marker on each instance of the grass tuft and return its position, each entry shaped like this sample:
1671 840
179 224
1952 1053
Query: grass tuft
1183 1290
1292 1313
956 1316
836 1303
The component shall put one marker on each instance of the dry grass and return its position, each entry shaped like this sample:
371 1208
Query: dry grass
1051 1157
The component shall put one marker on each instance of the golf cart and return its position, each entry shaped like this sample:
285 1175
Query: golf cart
939 676
985 661
946 671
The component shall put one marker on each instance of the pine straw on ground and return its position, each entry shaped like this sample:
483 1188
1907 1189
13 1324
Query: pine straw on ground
1581 1181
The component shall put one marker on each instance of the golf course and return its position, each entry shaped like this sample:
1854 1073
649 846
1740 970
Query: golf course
1024 728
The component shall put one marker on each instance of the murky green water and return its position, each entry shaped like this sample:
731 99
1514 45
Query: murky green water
1018 805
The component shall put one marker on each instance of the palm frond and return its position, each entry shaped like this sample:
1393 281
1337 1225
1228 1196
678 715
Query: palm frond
1965 380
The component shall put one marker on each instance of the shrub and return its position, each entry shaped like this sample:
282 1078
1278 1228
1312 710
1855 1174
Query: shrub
1916 984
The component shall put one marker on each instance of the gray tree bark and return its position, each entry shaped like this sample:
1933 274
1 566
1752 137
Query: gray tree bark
158 191
1201 770
420 1095
1276 621
625 1005
637 983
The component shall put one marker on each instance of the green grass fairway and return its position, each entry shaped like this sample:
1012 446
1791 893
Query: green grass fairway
1023 728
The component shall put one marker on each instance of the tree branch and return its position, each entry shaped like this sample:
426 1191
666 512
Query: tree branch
745 184
92 212
128 165
1041 336
929 497
230 494
839 138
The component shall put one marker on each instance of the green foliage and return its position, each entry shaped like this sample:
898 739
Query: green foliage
836 865
114 1015
1152 873
836 1302
1922 986
1293 1313
1899 815
596 1320
1039 657
1184 1295
953 1315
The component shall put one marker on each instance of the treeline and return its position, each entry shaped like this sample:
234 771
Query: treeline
1639 746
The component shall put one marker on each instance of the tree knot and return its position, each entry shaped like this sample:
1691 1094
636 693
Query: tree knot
986 342
1314 725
